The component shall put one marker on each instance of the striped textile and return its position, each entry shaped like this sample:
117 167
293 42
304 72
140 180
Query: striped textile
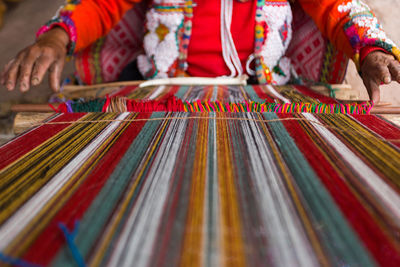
203 189
266 98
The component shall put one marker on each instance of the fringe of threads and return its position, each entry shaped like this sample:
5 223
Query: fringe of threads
172 104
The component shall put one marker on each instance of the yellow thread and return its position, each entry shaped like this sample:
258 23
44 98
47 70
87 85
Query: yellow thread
107 236
56 163
296 200
212 118
230 223
194 239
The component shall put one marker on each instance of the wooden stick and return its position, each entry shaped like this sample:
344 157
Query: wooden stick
385 110
343 91
242 80
72 88
24 120
159 82
33 108
339 86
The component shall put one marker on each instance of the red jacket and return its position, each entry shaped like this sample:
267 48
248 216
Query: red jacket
88 20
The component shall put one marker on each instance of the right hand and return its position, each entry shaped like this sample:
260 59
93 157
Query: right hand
28 68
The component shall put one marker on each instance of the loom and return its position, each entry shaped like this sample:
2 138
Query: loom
202 175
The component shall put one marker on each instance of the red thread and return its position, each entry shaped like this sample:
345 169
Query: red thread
62 108
19 146
44 248
106 104
358 216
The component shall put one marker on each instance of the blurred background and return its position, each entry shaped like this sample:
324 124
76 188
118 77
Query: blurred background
24 17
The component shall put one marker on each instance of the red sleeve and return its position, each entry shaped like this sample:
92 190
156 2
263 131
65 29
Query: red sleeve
365 51
88 20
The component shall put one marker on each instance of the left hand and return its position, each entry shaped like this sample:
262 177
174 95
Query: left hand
379 68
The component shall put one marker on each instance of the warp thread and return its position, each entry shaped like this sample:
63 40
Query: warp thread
301 80
69 237
172 104
16 262
213 118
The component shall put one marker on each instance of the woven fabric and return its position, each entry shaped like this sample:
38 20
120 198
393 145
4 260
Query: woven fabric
170 98
203 188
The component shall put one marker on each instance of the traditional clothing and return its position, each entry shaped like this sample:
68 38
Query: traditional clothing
285 43
203 188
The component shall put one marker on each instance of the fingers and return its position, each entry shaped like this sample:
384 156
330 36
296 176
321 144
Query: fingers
25 70
5 71
42 64
373 90
394 68
55 75
31 65
384 75
12 74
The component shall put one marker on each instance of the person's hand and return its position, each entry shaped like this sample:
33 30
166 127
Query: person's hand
379 68
31 64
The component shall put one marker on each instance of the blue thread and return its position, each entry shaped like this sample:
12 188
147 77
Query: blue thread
69 237
16 262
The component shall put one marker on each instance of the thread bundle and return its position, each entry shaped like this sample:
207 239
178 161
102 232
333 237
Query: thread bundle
149 189
173 104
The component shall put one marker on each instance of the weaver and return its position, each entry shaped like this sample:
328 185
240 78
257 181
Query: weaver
273 42
176 182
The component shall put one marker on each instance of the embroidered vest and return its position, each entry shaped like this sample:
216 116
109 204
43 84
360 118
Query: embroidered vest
286 40
168 30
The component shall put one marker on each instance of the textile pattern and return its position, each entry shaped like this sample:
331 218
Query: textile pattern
204 188
278 99
350 26
104 60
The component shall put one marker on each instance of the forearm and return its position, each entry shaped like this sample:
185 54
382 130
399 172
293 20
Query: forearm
58 35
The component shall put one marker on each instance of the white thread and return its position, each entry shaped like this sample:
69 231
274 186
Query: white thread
27 212
229 51
248 62
367 175
277 95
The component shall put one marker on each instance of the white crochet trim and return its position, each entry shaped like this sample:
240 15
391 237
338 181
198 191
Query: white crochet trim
357 7
164 52
143 64
273 50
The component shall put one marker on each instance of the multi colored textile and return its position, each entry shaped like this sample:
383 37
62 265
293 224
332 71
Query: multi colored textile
210 99
203 188
104 60
349 25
